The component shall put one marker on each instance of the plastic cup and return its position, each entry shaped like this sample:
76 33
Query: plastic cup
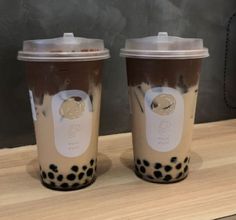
163 75
64 78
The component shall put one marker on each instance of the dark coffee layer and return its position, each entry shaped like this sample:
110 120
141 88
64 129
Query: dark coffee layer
52 77
156 72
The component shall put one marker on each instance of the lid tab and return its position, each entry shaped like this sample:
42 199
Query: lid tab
162 36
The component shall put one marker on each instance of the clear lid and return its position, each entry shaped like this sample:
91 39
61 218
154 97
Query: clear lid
66 48
163 46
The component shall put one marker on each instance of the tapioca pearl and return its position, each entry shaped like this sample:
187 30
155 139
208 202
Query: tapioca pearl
185 160
178 166
157 174
50 175
75 185
52 184
167 178
44 175
138 161
173 159
80 176
75 168
64 185
168 168
186 169
136 168
146 163
150 177
71 177
84 167
86 182
142 169
91 162
158 165
60 177
179 175
53 167
89 172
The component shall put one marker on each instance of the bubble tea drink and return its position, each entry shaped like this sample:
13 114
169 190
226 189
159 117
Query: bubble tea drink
163 75
64 77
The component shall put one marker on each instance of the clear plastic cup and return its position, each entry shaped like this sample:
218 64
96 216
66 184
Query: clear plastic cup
64 78
163 74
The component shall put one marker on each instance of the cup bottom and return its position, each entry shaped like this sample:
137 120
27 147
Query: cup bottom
75 186
160 181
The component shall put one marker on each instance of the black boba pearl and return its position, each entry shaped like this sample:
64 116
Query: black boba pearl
142 169
186 168
146 163
167 178
136 168
157 174
138 161
75 168
64 185
80 176
150 177
50 175
185 160
84 167
173 160
89 172
179 175
60 178
168 168
53 167
75 185
52 184
158 165
178 166
92 162
44 175
71 176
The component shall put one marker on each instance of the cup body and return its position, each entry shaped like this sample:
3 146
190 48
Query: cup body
65 99
163 95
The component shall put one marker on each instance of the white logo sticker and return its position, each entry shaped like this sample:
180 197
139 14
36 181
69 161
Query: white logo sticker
164 112
72 119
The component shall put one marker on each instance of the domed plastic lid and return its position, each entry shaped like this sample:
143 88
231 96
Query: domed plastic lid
163 46
66 48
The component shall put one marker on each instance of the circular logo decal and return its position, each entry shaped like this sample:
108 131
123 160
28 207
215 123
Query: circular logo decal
72 109
163 104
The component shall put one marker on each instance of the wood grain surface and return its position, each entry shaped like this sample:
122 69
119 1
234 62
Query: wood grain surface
208 193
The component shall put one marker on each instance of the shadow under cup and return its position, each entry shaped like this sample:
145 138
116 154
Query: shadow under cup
65 98
163 94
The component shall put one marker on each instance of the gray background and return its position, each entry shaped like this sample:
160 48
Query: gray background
113 21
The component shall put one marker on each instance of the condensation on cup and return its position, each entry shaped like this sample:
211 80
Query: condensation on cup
163 74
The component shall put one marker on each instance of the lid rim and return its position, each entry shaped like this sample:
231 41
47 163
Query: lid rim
199 53
63 56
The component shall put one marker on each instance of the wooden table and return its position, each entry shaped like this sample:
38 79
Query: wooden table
208 193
